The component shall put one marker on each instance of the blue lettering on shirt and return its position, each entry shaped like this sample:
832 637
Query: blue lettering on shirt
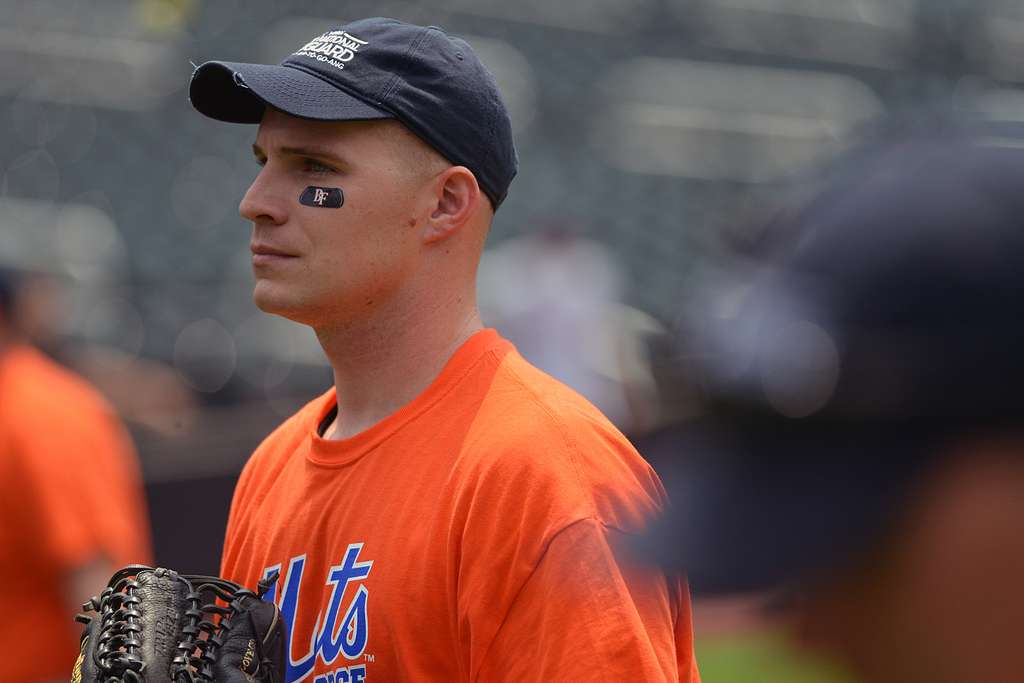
330 637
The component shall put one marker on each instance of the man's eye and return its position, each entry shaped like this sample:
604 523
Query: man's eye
314 166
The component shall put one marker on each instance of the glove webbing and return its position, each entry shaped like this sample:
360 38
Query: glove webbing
119 609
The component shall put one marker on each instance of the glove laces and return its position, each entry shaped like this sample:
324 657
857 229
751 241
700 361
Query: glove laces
116 654
208 625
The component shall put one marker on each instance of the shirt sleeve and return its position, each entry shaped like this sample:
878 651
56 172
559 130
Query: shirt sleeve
589 613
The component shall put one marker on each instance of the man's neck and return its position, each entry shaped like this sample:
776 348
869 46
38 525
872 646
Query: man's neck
383 364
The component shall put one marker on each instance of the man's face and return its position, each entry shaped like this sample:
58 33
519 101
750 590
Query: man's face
320 265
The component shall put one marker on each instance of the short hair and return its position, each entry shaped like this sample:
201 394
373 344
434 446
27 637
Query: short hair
423 157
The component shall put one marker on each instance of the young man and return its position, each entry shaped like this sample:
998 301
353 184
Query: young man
445 512
71 499
864 448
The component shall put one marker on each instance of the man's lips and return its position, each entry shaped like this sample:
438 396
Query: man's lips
263 254
258 248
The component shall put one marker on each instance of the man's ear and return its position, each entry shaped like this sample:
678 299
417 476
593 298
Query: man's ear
457 197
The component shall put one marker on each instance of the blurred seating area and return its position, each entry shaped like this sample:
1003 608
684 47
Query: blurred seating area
657 127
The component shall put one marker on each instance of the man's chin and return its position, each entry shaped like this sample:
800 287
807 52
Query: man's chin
306 308
275 303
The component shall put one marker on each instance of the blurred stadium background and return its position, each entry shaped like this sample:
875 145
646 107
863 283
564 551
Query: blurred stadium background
652 134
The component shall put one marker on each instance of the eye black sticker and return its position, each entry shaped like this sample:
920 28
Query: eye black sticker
322 197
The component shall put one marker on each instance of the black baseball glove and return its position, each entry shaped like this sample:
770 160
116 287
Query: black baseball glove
157 626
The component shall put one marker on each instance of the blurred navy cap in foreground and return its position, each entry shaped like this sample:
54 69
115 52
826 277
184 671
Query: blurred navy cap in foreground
890 327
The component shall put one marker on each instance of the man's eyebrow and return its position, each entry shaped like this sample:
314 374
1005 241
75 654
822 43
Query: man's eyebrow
303 151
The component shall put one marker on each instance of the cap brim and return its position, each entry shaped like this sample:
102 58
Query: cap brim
239 93
755 509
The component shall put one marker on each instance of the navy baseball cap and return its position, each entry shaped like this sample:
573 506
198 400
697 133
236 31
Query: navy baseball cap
887 330
378 69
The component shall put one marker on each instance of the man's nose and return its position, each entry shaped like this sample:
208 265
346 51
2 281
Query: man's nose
262 203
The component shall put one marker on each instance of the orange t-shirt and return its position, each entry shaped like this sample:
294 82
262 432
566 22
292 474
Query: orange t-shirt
70 493
474 535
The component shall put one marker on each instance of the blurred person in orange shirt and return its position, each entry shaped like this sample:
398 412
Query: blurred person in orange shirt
862 455
71 500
